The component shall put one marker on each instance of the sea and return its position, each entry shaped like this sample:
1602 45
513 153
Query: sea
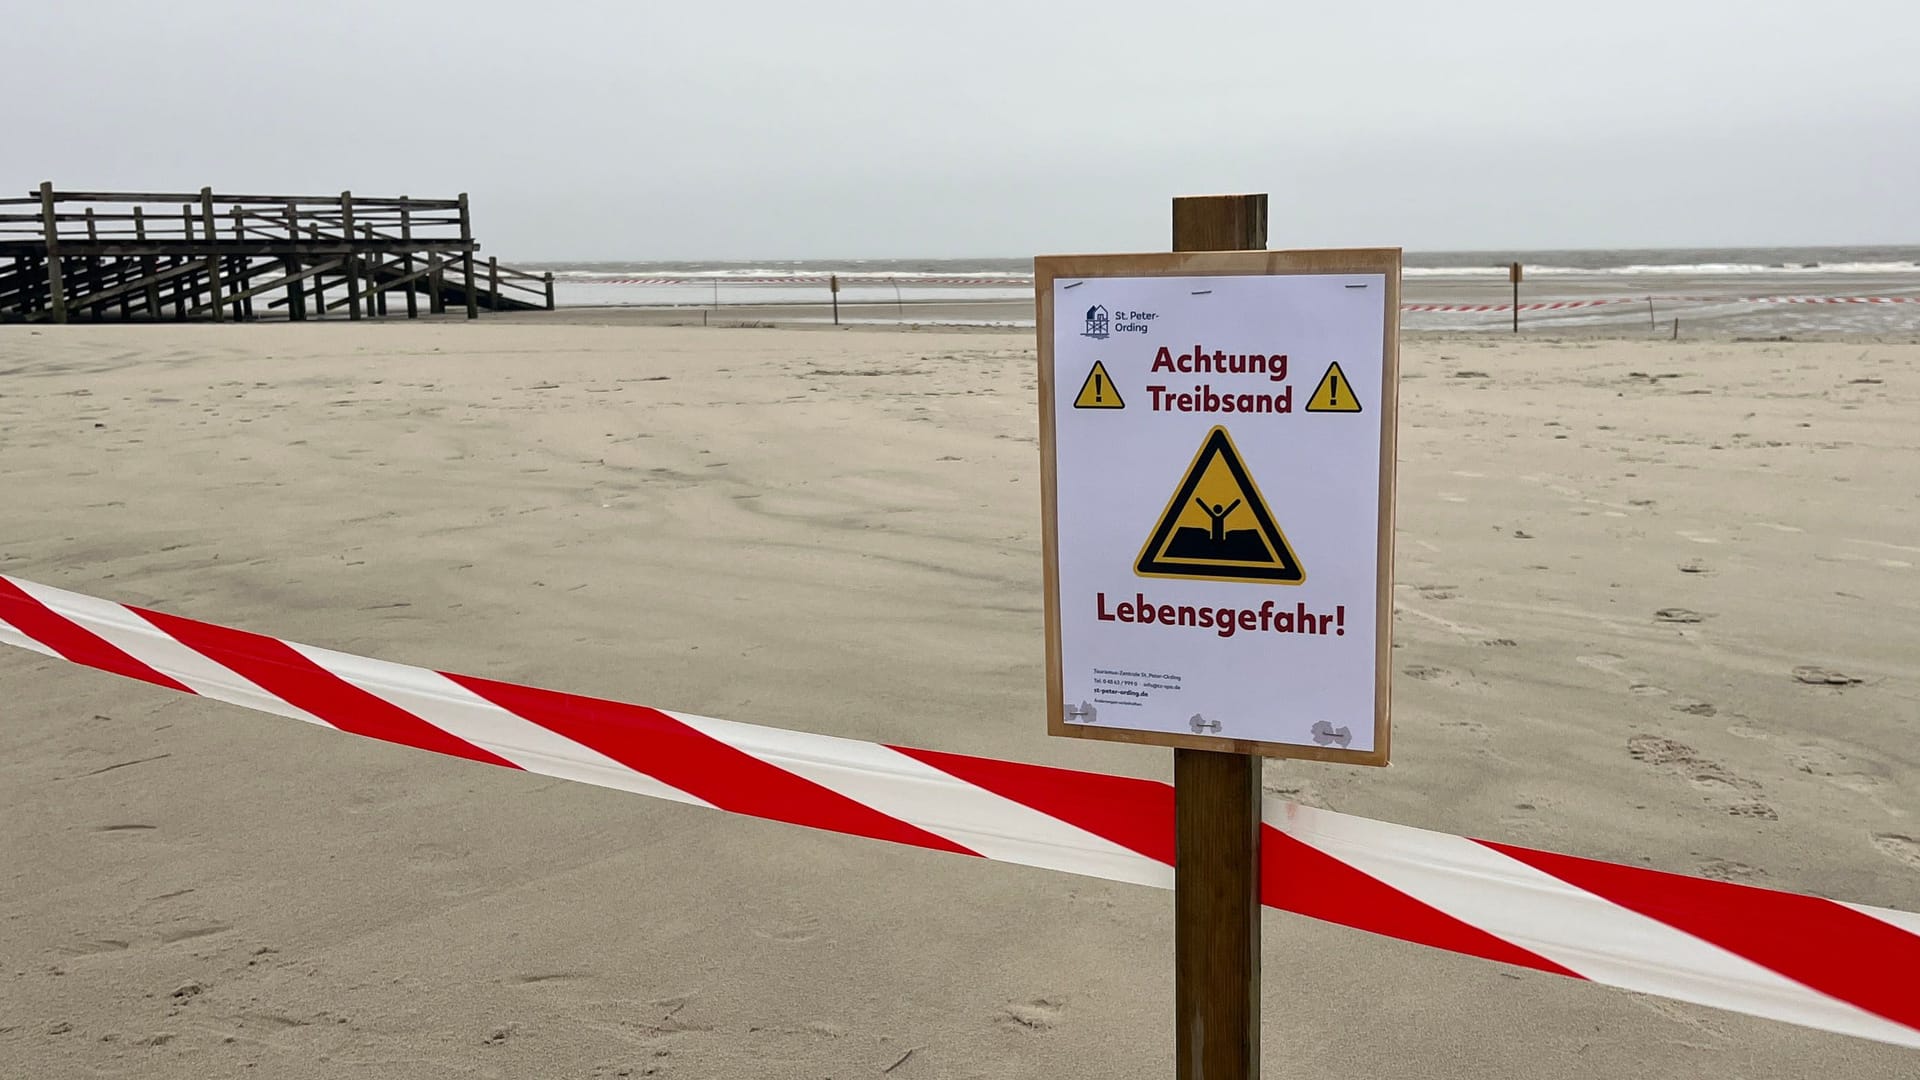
1787 291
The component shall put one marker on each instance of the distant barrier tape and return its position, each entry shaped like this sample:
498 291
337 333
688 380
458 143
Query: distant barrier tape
1022 283
1821 963
1556 305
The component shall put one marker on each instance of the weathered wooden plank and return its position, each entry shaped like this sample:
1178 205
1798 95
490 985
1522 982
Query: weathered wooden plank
275 247
289 283
142 282
244 200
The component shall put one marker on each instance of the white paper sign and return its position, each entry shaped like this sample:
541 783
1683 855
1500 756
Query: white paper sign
1218 486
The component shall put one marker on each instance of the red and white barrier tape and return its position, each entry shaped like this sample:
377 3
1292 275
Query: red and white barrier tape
1557 305
1422 308
1820 963
1545 305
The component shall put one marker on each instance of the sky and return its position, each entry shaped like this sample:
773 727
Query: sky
745 129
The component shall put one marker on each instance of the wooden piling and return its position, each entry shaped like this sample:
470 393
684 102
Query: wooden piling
56 293
148 264
406 262
296 288
466 256
242 308
91 268
320 289
351 267
213 259
184 290
376 287
549 279
436 284
493 283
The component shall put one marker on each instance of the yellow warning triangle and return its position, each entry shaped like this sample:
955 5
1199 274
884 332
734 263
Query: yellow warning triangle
1334 394
1098 392
1217 526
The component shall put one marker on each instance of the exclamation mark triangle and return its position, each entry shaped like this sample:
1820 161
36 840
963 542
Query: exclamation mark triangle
1098 392
1334 394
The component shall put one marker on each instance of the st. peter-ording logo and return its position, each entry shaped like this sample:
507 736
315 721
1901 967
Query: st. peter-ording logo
1097 323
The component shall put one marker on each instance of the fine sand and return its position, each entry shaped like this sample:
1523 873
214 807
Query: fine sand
1613 558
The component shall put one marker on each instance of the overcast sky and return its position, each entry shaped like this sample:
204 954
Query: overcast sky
743 128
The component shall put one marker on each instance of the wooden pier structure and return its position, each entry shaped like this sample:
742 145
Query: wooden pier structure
67 255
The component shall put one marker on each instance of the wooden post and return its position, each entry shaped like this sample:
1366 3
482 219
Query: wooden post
376 296
466 258
296 290
833 286
183 286
493 283
406 261
94 282
242 308
319 289
56 292
549 290
148 265
213 260
350 267
1216 890
1513 275
1652 323
436 285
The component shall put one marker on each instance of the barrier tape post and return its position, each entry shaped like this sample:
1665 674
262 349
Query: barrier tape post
1216 890
1513 275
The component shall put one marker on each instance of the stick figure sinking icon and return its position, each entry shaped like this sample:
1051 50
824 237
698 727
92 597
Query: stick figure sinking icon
1219 517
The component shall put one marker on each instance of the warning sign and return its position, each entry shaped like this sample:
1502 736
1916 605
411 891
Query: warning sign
1098 391
1219 557
1217 526
1334 394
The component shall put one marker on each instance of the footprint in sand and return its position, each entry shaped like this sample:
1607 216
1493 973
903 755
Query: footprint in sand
1440 676
1039 1014
1707 775
1730 870
1901 849
1819 676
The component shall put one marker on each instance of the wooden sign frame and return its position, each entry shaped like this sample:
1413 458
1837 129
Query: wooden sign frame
1385 261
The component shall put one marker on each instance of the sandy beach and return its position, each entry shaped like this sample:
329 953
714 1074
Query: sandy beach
1614 556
